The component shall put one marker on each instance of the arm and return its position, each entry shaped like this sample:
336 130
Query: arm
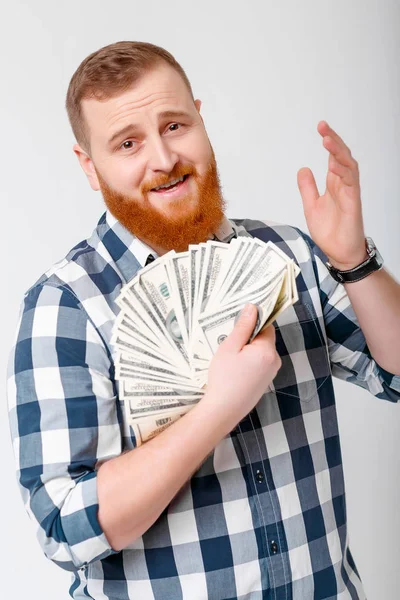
376 302
63 417
350 356
336 226
132 490
136 487
64 423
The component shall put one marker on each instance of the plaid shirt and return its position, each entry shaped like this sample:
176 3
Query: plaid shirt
265 515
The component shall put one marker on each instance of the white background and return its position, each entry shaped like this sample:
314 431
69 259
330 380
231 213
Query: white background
266 73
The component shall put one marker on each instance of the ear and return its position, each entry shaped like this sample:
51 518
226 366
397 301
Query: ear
198 104
88 166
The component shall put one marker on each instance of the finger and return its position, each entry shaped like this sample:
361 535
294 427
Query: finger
326 130
308 189
266 334
345 174
243 329
348 175
335 144
341 152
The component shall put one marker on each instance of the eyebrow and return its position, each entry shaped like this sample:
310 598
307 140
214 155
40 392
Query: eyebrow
132 127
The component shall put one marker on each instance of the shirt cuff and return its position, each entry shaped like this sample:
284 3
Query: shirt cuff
392 381
79 519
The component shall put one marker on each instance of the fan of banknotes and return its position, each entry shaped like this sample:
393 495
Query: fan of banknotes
176 312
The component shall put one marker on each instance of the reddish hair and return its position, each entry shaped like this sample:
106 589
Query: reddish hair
110 71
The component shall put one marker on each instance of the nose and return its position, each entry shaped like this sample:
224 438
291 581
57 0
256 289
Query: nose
161 156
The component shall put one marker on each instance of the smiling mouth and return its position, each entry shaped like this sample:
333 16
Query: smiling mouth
176 184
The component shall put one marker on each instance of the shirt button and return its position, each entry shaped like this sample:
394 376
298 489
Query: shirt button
260 476
274 547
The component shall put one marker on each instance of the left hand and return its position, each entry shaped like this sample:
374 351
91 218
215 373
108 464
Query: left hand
335 219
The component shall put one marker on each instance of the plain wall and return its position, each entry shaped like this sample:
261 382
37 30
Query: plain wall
266 72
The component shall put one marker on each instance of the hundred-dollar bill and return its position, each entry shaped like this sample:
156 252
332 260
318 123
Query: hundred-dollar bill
147 428
133 374
131 310
264 290
144 388
162 299
128 345
134 296
180 280
193 277
161 374
149 386
137 358
215 330
140 406
138 376
239 248
126 325
175 313
213 262
246 259
264 263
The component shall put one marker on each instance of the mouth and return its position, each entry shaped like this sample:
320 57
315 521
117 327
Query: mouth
175 188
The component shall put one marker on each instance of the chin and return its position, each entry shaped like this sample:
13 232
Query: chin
173 209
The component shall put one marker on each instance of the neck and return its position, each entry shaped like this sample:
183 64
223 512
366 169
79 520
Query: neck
160 251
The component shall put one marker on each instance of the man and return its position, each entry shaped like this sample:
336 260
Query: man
243 497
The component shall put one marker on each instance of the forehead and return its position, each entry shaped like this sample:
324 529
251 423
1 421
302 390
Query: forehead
157 91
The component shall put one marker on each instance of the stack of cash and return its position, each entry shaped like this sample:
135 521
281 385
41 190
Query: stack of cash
176 312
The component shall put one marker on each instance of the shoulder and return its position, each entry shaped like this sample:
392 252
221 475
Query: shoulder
87 271
75 297
290 239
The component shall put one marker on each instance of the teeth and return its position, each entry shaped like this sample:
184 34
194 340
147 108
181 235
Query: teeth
166 185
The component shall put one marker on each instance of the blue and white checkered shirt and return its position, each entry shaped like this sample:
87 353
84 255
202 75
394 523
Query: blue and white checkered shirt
265 515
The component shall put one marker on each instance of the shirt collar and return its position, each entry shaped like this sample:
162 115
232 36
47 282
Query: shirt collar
130 253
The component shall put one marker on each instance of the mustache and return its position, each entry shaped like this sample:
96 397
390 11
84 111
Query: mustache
178 172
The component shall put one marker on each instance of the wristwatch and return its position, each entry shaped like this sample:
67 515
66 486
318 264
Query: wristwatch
373 263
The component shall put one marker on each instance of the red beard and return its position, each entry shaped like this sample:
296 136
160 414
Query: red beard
189 221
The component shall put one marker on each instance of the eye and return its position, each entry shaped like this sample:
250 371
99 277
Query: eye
174 125
125 147
125 144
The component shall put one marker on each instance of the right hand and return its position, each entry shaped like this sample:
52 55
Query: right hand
239 372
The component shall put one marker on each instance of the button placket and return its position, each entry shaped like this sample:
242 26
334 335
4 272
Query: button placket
273 547
260 476
258 471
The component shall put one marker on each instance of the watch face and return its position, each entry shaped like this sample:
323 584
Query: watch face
378 257
372 248
370 244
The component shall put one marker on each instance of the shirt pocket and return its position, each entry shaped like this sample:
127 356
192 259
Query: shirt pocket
304 353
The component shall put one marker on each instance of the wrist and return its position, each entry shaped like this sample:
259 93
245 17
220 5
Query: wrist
223 414
351 264
350 272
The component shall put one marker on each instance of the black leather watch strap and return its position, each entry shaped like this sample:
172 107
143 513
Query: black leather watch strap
358 273
374 262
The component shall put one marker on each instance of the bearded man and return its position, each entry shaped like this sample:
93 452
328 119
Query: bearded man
242 497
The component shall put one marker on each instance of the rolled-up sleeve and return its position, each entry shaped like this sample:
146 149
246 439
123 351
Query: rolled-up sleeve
349 354
64 420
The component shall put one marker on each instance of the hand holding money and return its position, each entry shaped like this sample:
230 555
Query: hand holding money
240 372
176 312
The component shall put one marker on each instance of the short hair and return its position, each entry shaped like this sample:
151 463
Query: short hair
110 71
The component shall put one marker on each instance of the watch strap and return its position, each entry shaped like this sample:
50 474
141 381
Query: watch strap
370 265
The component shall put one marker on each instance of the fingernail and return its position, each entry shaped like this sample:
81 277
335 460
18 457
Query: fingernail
247 310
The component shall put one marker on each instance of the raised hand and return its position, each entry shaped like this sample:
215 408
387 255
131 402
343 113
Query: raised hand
335 219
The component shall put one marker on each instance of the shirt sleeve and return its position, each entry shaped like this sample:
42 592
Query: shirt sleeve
349 354
64 419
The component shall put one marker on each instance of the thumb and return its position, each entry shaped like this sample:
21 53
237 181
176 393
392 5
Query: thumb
243 329
308 189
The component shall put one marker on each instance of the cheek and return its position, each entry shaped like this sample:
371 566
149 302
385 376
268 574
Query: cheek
127 179
201 161
197 150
